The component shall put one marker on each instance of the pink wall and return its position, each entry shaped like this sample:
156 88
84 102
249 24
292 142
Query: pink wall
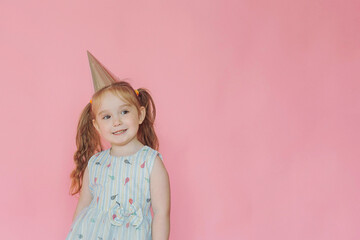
258 111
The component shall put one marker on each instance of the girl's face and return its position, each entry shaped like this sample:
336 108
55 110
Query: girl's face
118 121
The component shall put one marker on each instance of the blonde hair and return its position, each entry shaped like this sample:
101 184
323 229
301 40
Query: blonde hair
87 138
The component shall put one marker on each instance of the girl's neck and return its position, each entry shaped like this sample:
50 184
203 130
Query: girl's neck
125 150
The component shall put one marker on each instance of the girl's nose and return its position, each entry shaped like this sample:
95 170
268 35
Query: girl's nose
116 121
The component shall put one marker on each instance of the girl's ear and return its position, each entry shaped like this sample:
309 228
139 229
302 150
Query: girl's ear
142 114
95 125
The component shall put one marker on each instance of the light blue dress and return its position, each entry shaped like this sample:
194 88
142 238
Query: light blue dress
120 208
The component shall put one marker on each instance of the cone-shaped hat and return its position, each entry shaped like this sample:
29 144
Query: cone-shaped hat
100 75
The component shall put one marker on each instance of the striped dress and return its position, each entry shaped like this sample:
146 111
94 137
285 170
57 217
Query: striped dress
120 208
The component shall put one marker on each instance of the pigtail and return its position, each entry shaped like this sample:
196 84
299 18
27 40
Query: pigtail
87 143
146 133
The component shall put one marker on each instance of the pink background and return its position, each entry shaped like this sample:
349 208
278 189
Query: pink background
258 111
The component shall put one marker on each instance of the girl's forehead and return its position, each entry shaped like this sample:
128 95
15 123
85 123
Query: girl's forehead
110 101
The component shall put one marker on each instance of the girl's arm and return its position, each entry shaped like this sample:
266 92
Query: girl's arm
160 200
85 194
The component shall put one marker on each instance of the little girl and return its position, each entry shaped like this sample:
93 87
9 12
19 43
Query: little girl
119 185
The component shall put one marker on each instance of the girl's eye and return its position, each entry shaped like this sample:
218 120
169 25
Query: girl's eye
106 117
124 112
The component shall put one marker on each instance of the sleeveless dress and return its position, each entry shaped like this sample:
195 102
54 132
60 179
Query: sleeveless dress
120 208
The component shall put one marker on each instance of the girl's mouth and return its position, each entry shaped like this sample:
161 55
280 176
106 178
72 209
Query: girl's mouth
119 132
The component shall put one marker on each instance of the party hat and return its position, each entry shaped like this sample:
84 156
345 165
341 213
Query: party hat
101 76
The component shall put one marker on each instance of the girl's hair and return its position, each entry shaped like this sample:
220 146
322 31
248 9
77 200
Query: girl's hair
87 138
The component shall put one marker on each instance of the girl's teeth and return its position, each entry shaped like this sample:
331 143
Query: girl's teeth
120 131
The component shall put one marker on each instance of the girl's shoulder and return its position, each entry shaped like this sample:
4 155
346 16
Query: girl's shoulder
152 154
98 157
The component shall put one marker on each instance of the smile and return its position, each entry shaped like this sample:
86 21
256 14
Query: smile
119 132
